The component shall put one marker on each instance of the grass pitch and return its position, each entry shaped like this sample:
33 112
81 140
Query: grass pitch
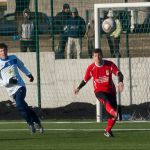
75 136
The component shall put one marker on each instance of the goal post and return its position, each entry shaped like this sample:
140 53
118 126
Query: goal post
98 8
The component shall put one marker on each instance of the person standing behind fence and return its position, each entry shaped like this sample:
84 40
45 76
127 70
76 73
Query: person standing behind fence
75 28
15 86
60 22
90 35
27 32
114 37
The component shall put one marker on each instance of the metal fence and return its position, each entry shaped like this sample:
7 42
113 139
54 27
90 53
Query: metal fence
44 62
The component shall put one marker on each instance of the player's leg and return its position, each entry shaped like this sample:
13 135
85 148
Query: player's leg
111 120
111 108
23 108
36 120
109 102
110 105
25 111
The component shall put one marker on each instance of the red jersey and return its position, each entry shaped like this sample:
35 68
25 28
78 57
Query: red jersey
102 76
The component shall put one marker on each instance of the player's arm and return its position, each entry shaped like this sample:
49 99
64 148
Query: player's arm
118 73
22 67
83 83
120 77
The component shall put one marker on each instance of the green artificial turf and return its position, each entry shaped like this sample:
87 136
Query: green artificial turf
75 136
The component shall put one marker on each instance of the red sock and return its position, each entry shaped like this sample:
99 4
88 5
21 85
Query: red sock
110 109
110 124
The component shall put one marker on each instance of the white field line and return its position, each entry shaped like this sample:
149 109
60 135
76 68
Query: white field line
84 130
70 122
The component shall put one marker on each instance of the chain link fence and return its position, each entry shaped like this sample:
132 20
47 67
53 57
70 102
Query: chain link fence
59 75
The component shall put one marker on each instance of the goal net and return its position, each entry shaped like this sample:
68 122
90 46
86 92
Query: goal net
133 47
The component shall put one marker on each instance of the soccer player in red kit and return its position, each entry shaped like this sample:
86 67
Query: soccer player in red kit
101 71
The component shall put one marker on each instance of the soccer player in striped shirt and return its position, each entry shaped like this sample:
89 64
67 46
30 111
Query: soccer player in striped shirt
15 86
101 71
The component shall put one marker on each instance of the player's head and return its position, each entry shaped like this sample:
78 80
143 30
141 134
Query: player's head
3 50
97 55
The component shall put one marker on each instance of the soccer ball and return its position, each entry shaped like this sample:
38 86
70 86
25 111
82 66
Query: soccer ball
108 25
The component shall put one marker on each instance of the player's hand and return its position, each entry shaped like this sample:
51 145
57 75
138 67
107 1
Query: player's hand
120 86
31 77
76 91
13 80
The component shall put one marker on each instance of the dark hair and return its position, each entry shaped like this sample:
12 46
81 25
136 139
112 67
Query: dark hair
26 10
98 50
3 45
66 6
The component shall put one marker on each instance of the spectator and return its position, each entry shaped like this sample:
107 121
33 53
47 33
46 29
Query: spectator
27 32
76 29
10 78
60 21
114 37
90 34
